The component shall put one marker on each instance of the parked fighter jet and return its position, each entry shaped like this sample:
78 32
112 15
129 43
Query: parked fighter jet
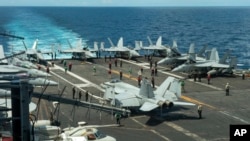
177 60
14 60
120 50
212 66
22 63
79 52
158 47
165 96
7 69
33 53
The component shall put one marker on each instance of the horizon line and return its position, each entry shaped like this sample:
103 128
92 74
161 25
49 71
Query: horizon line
122 6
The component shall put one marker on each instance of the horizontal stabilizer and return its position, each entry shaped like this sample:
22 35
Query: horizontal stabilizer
147 106
179 103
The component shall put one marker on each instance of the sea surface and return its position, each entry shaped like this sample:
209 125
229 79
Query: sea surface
221 27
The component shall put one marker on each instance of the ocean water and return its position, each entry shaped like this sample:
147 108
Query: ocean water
221 27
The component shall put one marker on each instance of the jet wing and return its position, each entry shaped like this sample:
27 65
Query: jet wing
116 49
127 100
179 103
184 57
153 48
147 106
217 65
212 64
72 51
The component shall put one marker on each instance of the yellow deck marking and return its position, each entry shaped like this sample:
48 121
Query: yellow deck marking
124 75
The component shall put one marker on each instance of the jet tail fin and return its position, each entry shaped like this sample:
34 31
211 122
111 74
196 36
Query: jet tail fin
69 43
138 45
111 43
102 46
224 58
96 46
150 41
202 51
170 84
214 56
159 41
120 42
35 44
174 49
233 62
146 89
79 43
191 53
174 44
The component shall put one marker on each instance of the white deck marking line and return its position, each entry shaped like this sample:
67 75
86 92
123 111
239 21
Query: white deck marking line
184 131
143 125
67 116
94 96
235 117
83 85
82 79
152 130
157 133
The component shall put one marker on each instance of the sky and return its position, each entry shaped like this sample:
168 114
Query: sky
115 3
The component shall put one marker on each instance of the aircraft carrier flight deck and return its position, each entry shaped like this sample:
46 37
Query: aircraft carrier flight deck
175 124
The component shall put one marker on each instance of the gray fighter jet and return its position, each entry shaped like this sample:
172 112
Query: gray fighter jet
165 96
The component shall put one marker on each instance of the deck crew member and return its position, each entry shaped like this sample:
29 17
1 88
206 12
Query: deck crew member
199 109
227 89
